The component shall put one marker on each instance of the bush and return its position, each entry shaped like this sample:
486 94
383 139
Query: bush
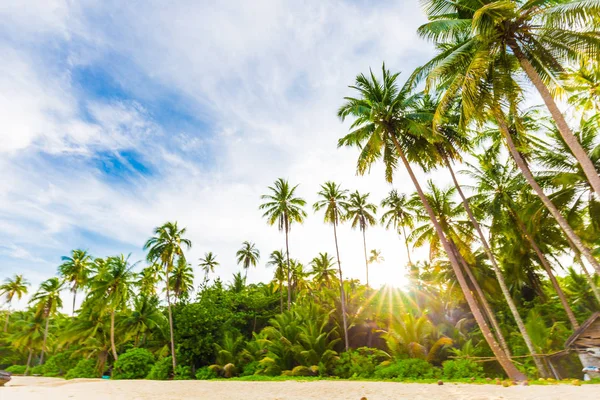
410 368
16 369
37 370
59 364
183 373
84 369
359 363
206 373
134 364
250 368
461 369
162 370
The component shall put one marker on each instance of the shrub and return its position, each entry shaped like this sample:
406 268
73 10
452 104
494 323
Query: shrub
183 373
37 370
134 364
410 368
16 369
250 368
162 369
359 363
84 369
59 364
206 373
461 369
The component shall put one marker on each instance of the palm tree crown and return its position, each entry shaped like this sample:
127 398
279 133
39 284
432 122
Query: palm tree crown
248 256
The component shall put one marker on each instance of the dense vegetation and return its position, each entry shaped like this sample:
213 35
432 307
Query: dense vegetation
514 241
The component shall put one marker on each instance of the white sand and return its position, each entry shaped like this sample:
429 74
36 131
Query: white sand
30 388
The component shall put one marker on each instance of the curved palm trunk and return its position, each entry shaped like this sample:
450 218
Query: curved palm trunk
406 244
580 154
113 346
501 356
289 270
45 340
342 294
498 272
170 320
366 259
562 222
28 361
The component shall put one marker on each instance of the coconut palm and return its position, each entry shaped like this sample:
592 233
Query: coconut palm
582 85
397 215
144 318
148 279
46 301
375 257
11 288
29 336
362 215
76 270
283 208
181 279
247 256
323 270
385 127
277 260
334 200
166 245
208 264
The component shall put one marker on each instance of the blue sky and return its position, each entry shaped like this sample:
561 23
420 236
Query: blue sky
118 116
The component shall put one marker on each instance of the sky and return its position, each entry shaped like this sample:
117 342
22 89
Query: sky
116 117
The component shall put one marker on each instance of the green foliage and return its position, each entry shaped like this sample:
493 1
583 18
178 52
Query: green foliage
206 373
359 363
37 370
59 364
16 369
161 370
85 368
183 372
409 368
461 369
134 364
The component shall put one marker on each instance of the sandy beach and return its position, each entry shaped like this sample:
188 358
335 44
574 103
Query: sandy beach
30 388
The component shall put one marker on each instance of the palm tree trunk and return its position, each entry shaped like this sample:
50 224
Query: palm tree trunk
406 244
365 250
562 222
501 356
6 322
170 320
112 335
342 294
45 340
28 361
590 279
580 154
289 270
74 299
281 296
497 271
245 274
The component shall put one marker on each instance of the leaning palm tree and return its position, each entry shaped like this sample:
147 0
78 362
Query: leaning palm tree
76 270
397 215
11 288
181 279
208 264
46 301
283 208
167 244
335 201
385 127
362 214
247 257
277 260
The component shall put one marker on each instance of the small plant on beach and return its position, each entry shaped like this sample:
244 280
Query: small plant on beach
161 370
16 369
84 369
134 364
59 364
461 369
359 363
410 368
206 373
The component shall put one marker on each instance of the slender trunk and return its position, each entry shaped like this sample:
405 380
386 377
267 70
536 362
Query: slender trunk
503 359
113 346
289 269
28 361
6 322
406 244
342 294
562 222
45 340
170 320
498 272
74 298
590 279
365 250
281 296
579 152
245 274
546 264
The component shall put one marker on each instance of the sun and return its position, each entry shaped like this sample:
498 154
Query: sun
389 274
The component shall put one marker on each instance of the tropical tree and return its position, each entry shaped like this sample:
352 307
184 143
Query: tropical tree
11 288
29 336
144 318
283 208
181 279
384 127
148 280
208 264
76 270
247 256
167 244
277 260
323 270
362 215
334 200
46 301
375 257
582 85
397 215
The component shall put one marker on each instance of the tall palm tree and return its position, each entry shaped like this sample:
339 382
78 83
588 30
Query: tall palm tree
277 260
181 279
208 264
582 85
543 36
148 279
76 270
46 301
283 208
144 318
384 127
247 256
362 214
167 244
397 215
334 200
11 288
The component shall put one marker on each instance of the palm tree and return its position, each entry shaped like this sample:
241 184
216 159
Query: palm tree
29 336
582 85
143 318
335 201
398 216
181 279
323 270
375 257
277 260
166 244
46 301
17 286
76 270
283 208
112 290
148 279
362 214
385 127
208 264
543 36
247 256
